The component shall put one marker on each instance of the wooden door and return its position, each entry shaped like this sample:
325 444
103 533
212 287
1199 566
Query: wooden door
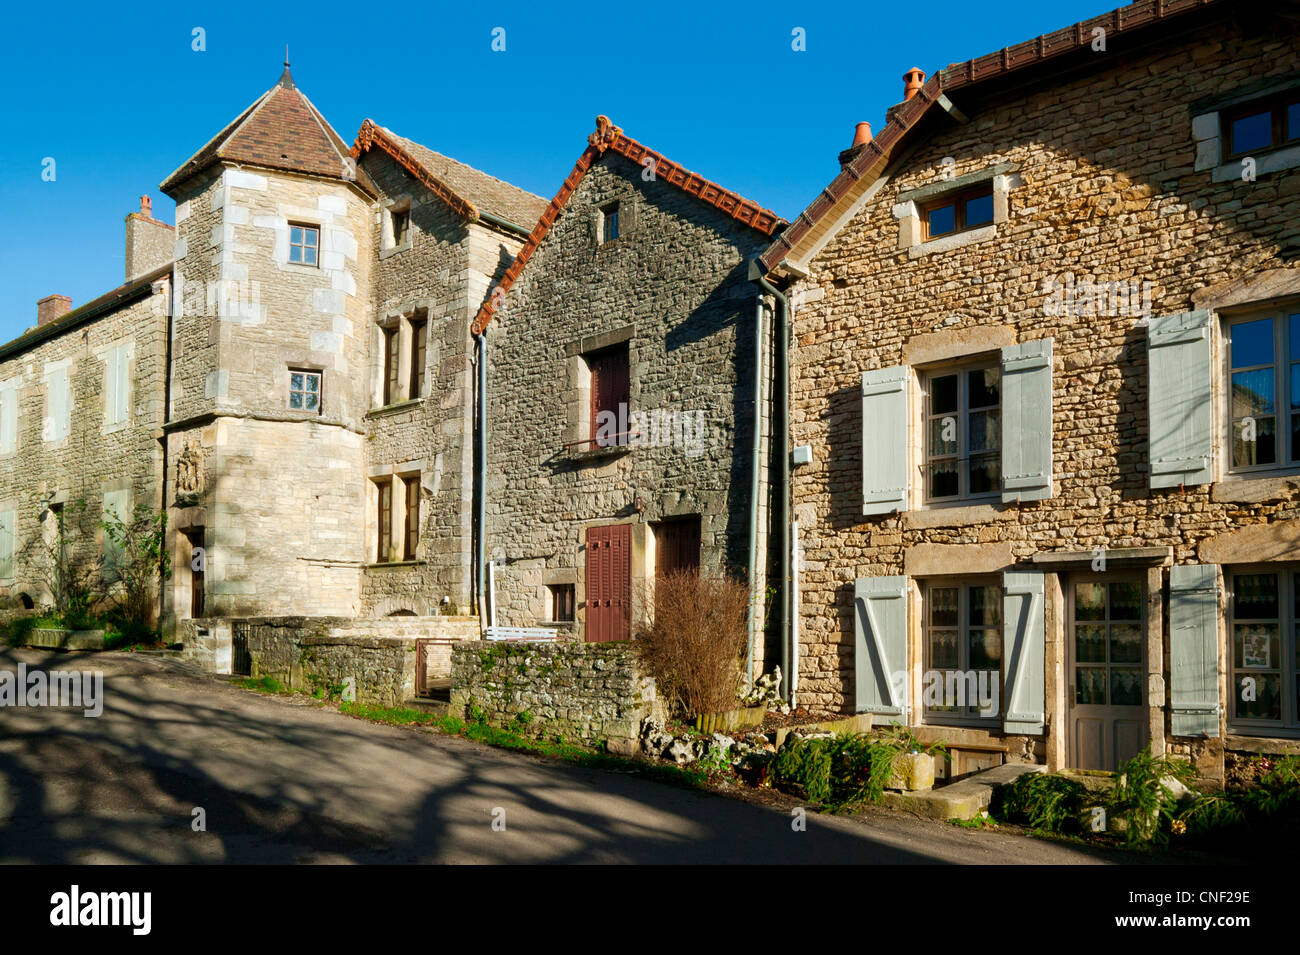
677 546
609 583
197 571
1107 671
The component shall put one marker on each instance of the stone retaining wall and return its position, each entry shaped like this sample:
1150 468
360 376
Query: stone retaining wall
591 691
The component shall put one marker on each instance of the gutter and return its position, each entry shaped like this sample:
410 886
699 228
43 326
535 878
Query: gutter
781 365
505 224
756 459
480 481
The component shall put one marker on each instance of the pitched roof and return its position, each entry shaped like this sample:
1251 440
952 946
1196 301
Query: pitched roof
464 188
124 294
825 213
281 130
608 136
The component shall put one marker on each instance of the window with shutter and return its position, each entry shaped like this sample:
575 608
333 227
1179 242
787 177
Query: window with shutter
963 432
1264 654
1194 650
880 646
391 357
1027 421
8 420
1024 653
412 485
419 353
1178 403
610 394
117 385
1264 391
963 650
57 405
116 513
884 440
384 550
7 529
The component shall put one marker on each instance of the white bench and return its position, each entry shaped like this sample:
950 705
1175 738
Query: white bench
523 634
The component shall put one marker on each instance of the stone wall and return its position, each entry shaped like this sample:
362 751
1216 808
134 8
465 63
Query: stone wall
1105 188
673 286
588 691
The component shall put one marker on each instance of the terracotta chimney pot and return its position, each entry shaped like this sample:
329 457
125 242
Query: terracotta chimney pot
862 134
913 80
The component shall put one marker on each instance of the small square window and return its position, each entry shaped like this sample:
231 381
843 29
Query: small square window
304 391
562 602
609 222
1264 124
401 225
968 209
304 241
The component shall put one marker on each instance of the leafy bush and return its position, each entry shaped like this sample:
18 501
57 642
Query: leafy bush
694 645
838 773
139 561
1047 802
1141 799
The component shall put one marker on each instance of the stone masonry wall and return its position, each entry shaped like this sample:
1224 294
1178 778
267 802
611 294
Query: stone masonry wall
1107 192
591 691
674 286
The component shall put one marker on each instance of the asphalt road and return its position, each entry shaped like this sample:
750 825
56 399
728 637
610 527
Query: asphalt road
281 780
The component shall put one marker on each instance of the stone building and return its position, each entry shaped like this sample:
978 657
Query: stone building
624 387
1041 328
286 372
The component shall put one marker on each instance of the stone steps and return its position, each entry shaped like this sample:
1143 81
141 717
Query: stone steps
964 799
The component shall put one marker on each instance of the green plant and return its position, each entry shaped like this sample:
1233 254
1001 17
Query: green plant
1047 802
59 554
137 561
1141 798
263 684
838 773
909 743
393 715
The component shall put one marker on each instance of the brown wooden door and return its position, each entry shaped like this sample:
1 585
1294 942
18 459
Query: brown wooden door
677 546
197 572
609 583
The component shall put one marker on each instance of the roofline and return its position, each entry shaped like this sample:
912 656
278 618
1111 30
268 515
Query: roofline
875 156
372 134
124 294
608 136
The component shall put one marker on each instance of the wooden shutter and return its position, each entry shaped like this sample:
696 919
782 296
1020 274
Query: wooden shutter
1023 653
390 365
880 646
412 516
1194 703
57 397
1179 376
7 520
419 340
115 504
110 388
609 583
610 388
123 390
1027 421
8 419
884 440
677 546
385 521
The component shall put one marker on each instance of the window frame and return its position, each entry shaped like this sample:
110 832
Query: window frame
609 212
1289 667
304 246
962 369
963 584
1282 413
595 361
419 330
402 215
1276 106
319 375
390 369
411 516
563 600
384 522
958 199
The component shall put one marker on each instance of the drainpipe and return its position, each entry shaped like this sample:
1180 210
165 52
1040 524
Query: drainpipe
781 366
756 462
480 480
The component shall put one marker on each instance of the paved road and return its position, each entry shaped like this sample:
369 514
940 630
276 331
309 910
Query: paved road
284 781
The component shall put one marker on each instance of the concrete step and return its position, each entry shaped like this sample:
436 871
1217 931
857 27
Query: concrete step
964 799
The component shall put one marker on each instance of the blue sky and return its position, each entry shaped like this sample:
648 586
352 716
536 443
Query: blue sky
116 95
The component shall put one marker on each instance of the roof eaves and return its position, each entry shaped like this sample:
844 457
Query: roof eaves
371 134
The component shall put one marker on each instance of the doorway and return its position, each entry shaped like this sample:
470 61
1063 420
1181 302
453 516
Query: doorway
1107 722
609 583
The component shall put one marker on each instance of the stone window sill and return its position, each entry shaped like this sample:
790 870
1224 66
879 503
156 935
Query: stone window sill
1279 742
393 564
1276 160
597 455
1255 490
956 516
388 253
957 240
394 408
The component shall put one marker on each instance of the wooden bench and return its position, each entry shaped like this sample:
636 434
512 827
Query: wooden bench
523 634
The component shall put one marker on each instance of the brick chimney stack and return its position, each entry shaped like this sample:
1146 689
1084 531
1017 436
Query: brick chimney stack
150 244
52 307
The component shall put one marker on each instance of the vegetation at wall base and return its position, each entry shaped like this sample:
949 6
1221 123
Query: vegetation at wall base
1045 802
838 773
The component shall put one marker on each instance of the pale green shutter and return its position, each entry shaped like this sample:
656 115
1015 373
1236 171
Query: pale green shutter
1023 652
880 646
1027 421
110 387
123 389
1179 376
115 503
884 440
57 387
6 544
1194 650
8 420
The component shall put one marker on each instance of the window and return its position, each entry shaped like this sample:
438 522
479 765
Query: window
609 223
304 241
401 220
1265 685
7 519
305 390
117 512
58 405
963 434
610 395
391 357
117 385
958 212
419 344
562 603
8 419
1264 383
1263 125
677 546
385 549
1108 636
963 651
412 485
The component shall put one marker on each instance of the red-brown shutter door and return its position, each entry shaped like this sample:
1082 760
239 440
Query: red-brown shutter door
609 583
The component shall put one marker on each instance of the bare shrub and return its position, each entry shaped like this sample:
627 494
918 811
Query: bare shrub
693 647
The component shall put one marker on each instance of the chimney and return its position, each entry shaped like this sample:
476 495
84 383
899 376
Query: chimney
913 80
52 307
150 244
861 136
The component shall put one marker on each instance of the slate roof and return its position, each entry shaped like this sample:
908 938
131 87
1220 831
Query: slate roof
281 130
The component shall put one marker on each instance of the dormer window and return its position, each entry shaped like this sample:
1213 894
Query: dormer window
958 212
1263 125
304 243
609 222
